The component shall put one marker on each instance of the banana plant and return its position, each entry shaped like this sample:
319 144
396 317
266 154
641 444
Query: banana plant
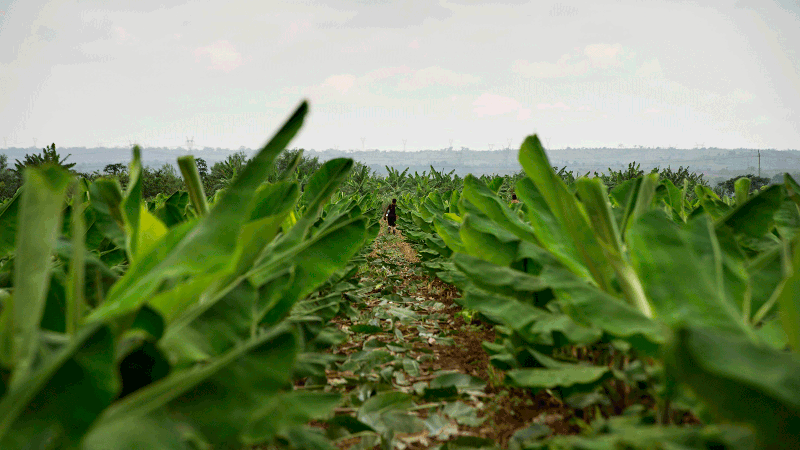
643 265
189 342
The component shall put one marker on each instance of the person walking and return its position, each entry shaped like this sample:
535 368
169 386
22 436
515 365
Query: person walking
390 214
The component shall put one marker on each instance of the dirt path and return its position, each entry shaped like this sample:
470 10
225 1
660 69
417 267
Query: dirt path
405 333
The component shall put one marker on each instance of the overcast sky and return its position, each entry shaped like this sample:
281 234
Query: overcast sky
722 73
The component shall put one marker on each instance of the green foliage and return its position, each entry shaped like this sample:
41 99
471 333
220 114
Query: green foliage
115 169
164 180
617 177
202 167
9 182
727 187
11 179
134 314
567 177
304 167
223 172
691 282
179 325
48 156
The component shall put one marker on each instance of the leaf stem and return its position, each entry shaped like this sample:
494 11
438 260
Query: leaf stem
191 176
77 270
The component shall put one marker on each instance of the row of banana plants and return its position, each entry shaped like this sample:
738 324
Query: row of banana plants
643 294
178 323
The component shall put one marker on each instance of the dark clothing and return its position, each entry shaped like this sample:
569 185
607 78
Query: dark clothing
391 215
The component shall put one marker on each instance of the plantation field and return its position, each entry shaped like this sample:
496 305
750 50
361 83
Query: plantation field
624 311
406 329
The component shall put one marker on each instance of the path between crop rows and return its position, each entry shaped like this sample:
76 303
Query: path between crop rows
408 331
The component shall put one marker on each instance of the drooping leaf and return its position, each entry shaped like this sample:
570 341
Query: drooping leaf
742 382
205 245
289 411
237 383
562 377
757 215
63 396
656 244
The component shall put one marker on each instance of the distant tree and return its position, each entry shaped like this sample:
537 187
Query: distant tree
568 177
307 167
361 180
95 175
9 182
615 177
727 187
162 180
681 174
48 156
284 160
202 167
115 169
11 178
223 172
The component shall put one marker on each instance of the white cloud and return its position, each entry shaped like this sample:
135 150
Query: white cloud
296 29
558 105
341 83
604 55
565 66
402 78
385 82
383 73
594 56
360 47
649 69
122 34
494 105
222 55
741 96
435 75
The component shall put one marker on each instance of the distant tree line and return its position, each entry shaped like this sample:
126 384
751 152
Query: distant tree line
167 180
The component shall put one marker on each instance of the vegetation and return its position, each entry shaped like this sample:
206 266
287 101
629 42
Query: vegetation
11 179
590 300
728 187
48 156
257 304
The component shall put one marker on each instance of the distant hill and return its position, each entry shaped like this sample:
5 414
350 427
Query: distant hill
714 163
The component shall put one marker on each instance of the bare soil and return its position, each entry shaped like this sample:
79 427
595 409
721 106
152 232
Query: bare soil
506 410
